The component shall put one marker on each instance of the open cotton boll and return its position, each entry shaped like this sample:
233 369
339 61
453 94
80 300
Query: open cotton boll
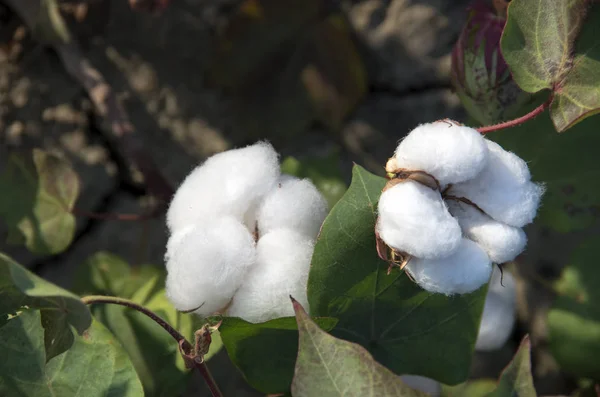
467 269
281 270
450 152
501 242
414 219
228 183
295 204
424 384
206 265
499 312
175 240
503 189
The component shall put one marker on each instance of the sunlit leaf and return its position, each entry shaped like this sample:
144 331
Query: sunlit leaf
516 379
327 366
554 45
37 197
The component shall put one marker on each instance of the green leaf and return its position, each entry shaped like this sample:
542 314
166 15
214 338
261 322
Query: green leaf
96 365
554 45
38 195
578 96
288 64
153 352
574 319
323 171
265 353
60 309
407 329
516 379
328 366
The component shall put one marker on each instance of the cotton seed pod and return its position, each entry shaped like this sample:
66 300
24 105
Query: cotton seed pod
501 242
479 73
499 313
229 183
294 204
450 152
464 271
283 262
503 189
424 384
414 219
207 263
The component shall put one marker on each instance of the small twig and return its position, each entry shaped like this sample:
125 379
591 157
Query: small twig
518 121
111 216
187 350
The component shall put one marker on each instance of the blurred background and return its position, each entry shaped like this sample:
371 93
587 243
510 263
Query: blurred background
327 82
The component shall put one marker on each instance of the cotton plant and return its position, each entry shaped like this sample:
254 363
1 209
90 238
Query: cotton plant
242 236
455 204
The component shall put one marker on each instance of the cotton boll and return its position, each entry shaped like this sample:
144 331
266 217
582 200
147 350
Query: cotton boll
499 312
175 240
421 383
228 183
501 242
467 269
497 323
503 189
206 265
294 204
450 152
283 262
414 219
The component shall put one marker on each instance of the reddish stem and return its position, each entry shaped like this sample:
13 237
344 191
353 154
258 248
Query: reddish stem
518 121
111 216
185 346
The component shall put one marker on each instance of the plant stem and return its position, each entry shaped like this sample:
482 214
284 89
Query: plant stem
185 345
518 121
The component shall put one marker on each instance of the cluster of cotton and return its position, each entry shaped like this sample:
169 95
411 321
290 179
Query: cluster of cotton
455 204
499 313
242 236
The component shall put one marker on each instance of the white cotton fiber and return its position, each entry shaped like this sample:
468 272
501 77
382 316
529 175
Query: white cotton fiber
228 183
295 204
414 219
499 313
467 269
281 270
503 189
450 152
421 383
207 263
501 242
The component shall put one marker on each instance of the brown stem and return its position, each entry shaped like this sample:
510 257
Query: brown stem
518 121
108 216
185 346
